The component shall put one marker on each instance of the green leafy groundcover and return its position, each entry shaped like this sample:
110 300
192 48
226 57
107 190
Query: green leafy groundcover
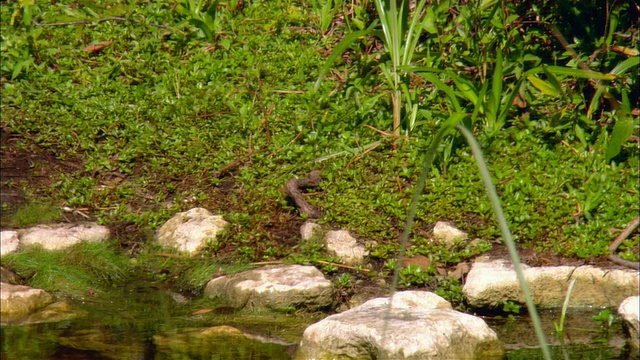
217 108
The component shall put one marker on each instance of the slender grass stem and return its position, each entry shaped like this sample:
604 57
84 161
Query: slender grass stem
428 161
497 208
506 235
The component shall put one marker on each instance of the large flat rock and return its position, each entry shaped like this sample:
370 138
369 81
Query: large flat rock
62 236
274 287
190 230
418 325
491 283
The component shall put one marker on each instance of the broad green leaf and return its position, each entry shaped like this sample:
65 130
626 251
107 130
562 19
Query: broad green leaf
430 21
622 130
595 100
200 24
553 80
465 86
542 85
479 104
485 4
26 16
388 76
21 65
413 33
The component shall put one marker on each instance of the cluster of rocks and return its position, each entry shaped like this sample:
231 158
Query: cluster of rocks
375 327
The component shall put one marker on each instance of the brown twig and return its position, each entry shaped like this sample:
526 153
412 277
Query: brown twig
360 156
379 131
82 22
616 243
175 256
227 169
293 189
299 135
341 266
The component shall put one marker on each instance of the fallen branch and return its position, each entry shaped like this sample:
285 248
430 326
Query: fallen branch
293 189
616 243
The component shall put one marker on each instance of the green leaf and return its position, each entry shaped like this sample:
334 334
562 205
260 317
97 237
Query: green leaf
337 53
543 86
580 73
493 102
553 80
622 130
509 103
200 24
444 88
430 21
625 65
595 100
465 86
21 65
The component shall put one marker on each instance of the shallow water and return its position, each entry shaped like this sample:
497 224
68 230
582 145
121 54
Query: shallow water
145 322
583 337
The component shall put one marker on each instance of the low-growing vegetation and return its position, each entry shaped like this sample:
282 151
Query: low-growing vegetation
130 112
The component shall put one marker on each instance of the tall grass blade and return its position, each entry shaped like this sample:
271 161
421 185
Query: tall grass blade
506 235
509 103
444 88
336 53
565 307
446 128
579 73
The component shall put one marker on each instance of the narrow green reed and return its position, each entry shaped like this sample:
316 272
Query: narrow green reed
454 120
506 235
428 161
565 306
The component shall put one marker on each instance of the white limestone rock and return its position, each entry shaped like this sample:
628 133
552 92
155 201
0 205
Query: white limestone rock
448 234
9 242
189 231
420 325
274 287
628 310
62 236
490 283
341 244
310 229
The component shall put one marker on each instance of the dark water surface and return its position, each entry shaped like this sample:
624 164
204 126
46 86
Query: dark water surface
142 322
145 322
